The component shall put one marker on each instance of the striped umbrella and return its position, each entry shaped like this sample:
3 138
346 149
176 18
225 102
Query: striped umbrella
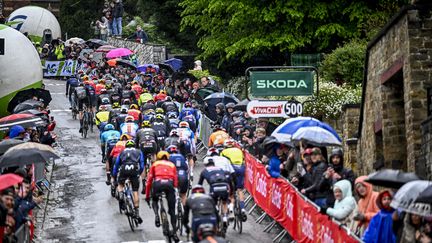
27 153
105 48
25 120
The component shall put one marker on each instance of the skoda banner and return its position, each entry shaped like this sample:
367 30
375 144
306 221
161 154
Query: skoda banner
270 83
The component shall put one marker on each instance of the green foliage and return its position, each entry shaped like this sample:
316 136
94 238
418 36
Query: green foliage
345 64
247 28
76 16
199 74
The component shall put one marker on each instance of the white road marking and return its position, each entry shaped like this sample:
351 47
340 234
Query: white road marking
55 84
56 93
59 110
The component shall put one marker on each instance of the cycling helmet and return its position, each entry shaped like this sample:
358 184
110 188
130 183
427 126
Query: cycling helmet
134 82
149 111
103 91
172 149
102 108
126 102
237 114
116 105
173 133
172 115
108 86
146 124
125 137
230 105
188 104
124 110
162 155
105 101
144 90
129 119
101 81
208 162
198 189
86 82
212 152
160 117
133 106
160 110
130 144
162 92
168 98
183 124
229 143
109 127
128 87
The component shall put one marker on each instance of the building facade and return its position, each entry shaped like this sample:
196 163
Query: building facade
395 93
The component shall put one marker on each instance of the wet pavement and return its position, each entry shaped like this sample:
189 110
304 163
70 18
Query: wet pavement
81 208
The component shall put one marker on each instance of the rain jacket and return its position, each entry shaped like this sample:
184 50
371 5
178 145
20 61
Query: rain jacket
366 206
380 226
274 166
343 208
15 131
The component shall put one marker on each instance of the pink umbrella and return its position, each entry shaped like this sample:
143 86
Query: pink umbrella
119 52
8 180
105 48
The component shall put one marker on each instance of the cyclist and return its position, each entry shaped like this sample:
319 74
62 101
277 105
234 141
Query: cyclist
103 98
163 178
146 138
219 182
129 127
71 84
102 116
137 89
235 155
130 165
82 97
172 120
91 90
114 112
182 171
135 112
190 115
161 96
127 93
108 134
169 106
206 234
144 97
113 93
100 86
149 105
187 144
116 151
149 115
218 136
120 119
173 139
203 211
159 125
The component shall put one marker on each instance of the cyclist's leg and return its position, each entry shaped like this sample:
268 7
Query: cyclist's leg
183 184
171 198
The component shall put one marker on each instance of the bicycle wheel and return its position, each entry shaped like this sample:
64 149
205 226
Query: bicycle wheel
238 217
91 121
179 216
130 212
165 225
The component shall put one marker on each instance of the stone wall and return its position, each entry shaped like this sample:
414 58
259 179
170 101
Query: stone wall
424 167
145 53
395 102
350 121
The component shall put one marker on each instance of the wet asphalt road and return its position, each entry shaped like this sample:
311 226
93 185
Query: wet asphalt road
81 208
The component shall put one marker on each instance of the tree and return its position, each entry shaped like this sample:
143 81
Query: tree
76 16
246 28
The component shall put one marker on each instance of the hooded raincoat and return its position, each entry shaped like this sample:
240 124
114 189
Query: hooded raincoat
380 226
366 206
345 207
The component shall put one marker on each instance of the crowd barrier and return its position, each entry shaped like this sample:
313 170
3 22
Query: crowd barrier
284 204
64 68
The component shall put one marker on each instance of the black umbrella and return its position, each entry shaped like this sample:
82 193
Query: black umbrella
425 196
241 106
28 94
183 76
27 153
215 98
204 92
8 143
391 178
126 63
27 105
95 43
168 68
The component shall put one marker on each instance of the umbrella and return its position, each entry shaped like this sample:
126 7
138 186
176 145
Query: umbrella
143 68
309 129
183 76
73 40
425 196
8 180
204 92
27 96
105 48
95 43
119 52
175 63
8 143
241 106
127 63
84 51
112 62
391 178
27 105
25 120
27 153
405 198
221 97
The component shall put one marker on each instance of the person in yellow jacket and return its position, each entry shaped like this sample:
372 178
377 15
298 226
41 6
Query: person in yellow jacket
102 116
59 49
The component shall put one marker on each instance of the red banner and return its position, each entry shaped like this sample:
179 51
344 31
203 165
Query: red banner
281 201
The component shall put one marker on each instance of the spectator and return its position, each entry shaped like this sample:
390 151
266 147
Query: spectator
303 178
367 206
412 229
17 132
227 119
139 35
380 226
117 14
275 160
197 65
206 83
260 135
320 166
103 28
345 202
220 112
266 124
247 139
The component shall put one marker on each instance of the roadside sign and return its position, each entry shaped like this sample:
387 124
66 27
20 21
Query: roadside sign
267 108
271 83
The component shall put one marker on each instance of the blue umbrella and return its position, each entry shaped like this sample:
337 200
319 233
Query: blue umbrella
309 129
143 68
175 63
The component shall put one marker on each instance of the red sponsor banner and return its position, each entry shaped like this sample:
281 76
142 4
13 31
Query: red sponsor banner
281 201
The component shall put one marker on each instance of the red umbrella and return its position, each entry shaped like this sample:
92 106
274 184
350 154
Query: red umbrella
25 120
9 180
15 117
105 48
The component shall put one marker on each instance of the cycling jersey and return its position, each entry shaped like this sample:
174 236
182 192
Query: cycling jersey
221 162
180 162
129 128
118 148
99 87
138 90
187 141
101 116
235 155
129 156
161 170
217 137
109 135
144 97
218 180
136 114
